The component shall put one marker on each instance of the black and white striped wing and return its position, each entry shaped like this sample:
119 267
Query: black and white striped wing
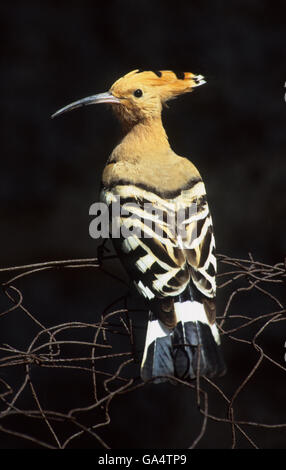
199 244
165 243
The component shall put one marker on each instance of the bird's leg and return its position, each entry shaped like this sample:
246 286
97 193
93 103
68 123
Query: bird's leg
100 251
130 328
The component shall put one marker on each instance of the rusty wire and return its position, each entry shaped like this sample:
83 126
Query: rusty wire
61 346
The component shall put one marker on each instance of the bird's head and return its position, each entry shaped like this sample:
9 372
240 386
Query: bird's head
140 95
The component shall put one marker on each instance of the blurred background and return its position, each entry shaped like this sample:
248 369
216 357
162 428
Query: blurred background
232 128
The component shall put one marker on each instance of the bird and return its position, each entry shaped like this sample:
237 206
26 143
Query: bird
172 265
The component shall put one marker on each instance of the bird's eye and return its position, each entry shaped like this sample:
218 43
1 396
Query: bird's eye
138 93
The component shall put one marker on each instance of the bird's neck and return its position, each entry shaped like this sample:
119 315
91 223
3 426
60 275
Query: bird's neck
142 139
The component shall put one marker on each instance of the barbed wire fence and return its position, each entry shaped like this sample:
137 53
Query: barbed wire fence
106 351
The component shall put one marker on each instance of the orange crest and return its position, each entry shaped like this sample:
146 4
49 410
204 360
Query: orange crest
167 83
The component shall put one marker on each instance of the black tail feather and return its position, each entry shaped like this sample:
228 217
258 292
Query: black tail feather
159 361
195 351
189 350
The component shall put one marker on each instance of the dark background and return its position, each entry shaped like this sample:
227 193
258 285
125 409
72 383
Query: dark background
233 129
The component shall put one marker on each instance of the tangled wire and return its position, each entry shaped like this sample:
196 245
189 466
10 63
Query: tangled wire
106 352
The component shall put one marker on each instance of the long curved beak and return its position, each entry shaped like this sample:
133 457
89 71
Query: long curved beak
94 99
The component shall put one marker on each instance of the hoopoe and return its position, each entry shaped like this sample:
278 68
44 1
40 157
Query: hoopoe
175 274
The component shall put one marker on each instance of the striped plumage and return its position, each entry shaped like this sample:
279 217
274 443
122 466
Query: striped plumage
172 265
